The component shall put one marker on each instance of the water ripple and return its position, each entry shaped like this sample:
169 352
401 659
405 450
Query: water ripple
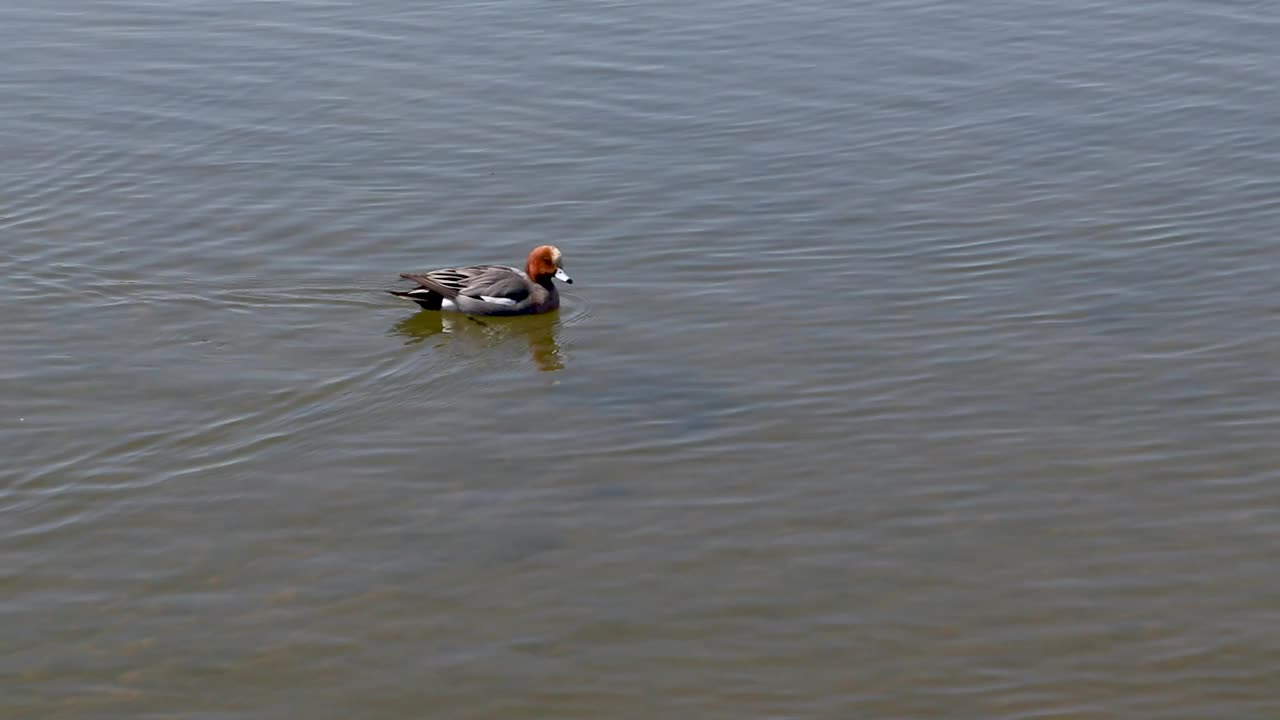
919 360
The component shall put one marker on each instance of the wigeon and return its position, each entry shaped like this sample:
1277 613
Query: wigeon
492 289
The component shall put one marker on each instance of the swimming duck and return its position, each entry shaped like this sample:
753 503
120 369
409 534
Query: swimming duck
492 289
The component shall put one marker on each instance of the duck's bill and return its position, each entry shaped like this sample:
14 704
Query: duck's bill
563 276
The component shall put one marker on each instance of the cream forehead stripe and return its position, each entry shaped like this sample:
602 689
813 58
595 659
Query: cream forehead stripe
555 255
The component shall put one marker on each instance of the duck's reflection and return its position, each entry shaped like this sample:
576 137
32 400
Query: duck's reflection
539 331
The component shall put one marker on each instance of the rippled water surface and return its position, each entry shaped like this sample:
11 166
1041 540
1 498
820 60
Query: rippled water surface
922 360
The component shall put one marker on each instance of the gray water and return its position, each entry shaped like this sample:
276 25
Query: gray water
921 360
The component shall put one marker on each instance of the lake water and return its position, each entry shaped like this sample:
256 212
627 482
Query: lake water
922 361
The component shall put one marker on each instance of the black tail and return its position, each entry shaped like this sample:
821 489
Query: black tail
425 298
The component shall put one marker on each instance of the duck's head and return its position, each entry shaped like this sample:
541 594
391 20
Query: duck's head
546 262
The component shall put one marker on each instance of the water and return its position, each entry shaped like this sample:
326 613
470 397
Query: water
921 360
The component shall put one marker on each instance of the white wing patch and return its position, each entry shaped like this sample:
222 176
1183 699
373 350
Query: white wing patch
497 300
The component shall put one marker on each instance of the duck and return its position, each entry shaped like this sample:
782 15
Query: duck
492 289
